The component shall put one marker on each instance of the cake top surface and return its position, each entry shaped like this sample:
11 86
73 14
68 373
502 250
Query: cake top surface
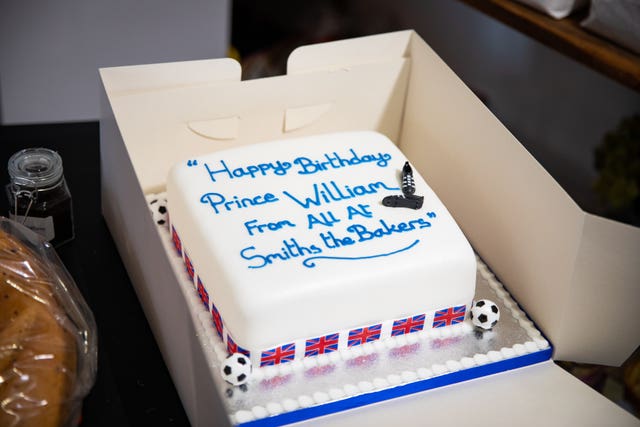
278 223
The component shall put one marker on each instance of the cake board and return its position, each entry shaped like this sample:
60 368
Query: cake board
371 373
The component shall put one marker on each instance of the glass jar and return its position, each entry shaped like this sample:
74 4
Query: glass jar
38 194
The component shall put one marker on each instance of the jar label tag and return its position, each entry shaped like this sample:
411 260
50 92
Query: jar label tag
42 226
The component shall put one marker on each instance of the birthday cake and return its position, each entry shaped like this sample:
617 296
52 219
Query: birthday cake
308 246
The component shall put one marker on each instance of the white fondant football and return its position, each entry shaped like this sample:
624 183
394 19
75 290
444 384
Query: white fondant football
236 369
485 314
158 206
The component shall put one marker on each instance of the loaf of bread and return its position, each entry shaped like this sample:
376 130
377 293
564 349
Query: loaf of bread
38 351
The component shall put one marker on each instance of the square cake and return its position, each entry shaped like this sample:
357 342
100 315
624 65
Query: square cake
294 253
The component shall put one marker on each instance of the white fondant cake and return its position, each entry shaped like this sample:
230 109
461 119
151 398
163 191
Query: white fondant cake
294 254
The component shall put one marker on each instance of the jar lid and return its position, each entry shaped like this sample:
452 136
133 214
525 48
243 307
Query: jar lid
35 167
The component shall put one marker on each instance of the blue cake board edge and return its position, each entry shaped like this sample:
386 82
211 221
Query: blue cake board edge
401 390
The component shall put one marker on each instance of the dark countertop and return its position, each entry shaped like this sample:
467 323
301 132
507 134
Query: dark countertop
133 386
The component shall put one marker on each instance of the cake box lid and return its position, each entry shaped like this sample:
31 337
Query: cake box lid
575 274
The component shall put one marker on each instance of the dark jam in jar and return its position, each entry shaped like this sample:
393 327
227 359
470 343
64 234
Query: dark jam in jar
38 194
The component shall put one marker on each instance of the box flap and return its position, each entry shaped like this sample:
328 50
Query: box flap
551 256
151 77
343 54
601 319
165 118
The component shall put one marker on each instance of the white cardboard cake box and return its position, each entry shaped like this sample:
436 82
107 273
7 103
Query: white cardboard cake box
575 274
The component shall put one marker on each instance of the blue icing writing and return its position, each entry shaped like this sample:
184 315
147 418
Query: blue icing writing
362 210
305 165
323 218
310 262
291 249
330 192
335 161
253 225
364 233
333 242
262 169
219 202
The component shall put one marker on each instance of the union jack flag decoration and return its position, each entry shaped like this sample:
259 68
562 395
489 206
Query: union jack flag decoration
408 325
188 264
203 294
282 354
363 335
232 347
217 319
449 316
321 345
176 240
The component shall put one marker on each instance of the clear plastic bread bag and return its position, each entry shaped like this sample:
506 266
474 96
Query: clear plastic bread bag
48 336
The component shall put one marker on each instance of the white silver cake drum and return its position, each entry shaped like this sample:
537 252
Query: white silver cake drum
374 371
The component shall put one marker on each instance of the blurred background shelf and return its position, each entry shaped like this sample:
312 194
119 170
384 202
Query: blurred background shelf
567 37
